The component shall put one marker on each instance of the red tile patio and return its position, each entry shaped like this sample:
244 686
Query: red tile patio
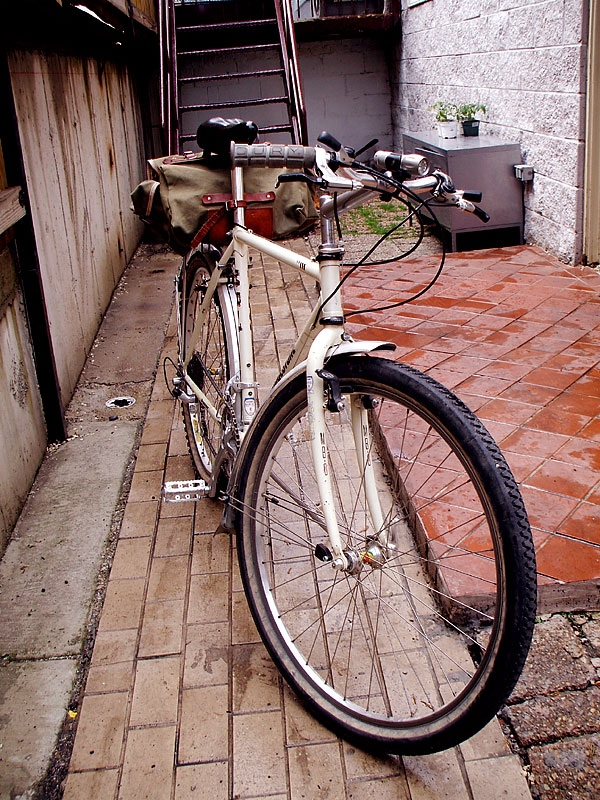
516 335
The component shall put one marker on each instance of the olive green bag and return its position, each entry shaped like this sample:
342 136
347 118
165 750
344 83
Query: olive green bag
190 201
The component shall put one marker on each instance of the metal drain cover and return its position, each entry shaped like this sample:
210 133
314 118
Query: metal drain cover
120 402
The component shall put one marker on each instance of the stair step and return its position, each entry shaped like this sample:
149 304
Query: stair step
220 50
234 104
216 26
230 75
275 128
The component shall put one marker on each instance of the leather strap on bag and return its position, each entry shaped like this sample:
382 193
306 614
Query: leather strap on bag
227 203
217 199
151 194
211 221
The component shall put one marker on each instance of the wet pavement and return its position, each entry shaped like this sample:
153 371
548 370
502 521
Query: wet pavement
516 335
181 700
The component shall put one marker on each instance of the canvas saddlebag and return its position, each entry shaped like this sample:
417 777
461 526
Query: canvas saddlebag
188 201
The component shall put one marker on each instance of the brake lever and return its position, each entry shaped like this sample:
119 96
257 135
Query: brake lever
366 147
473 196
481 214
289 177
466 205
439 191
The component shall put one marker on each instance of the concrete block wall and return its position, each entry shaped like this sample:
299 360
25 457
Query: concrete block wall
345 82
525 60
347 90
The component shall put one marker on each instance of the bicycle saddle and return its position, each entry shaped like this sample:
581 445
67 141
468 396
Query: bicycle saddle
216 135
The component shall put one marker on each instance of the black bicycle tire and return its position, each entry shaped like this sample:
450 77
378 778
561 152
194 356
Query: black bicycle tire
505 660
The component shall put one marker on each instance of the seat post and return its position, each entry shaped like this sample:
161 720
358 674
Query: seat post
237 192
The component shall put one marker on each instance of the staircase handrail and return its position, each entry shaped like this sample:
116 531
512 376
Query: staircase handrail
285 22
168 75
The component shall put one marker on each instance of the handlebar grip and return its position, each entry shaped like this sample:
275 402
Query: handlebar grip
481 214
272 155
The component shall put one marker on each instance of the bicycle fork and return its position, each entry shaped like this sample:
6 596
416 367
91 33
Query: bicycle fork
330 255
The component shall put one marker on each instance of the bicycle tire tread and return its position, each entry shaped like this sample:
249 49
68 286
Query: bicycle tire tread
196 262
527 562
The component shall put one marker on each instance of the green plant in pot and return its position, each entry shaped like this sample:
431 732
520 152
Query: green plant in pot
466 114
445 117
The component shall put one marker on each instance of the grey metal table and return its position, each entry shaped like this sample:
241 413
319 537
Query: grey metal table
484 164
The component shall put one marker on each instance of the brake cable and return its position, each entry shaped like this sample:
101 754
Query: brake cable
400 188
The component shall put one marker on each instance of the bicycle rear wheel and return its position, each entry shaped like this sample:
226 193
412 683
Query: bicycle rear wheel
211 359
416 645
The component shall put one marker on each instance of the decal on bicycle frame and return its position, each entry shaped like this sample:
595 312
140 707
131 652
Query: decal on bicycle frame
324 454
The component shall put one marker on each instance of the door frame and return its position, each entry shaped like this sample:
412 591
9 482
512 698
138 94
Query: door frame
591 185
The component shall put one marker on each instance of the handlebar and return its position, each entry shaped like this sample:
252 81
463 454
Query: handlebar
442 187
335 173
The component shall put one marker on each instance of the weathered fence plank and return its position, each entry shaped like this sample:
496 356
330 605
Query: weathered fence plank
11 210
81 161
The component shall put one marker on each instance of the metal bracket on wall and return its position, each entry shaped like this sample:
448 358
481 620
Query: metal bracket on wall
524 173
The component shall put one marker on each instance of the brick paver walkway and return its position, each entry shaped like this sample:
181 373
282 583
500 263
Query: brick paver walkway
182 702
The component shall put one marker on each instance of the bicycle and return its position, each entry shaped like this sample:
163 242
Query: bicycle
384 547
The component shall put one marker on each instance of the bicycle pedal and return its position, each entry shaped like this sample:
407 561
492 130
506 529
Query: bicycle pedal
184 491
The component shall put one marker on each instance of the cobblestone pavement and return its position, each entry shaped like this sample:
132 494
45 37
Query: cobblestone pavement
554 712
182 700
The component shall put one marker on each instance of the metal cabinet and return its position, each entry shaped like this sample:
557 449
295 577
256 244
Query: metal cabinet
484 164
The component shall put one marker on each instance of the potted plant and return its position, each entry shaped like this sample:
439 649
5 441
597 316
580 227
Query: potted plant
445 116
466 115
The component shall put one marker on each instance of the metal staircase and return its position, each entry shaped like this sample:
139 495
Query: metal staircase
229 58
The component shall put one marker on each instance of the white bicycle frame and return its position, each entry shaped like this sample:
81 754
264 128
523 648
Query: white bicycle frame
313 347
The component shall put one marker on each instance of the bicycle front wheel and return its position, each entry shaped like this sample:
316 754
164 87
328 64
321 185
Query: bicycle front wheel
416 643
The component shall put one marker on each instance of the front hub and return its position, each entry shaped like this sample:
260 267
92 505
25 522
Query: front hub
374 557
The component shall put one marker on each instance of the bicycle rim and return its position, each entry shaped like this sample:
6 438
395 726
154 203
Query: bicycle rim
209 366
417 646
